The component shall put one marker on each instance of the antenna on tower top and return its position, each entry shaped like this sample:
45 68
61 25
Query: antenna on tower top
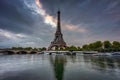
58 8
59 5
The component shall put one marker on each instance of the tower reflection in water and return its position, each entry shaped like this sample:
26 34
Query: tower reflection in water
82 64
58 63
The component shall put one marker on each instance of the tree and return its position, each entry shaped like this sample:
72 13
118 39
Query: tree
116 45
79 49
28 48
39 49
61 49
85 47
35 49
43 49
20 48
91 46
14 48
107 46
67 48
97 45
72 48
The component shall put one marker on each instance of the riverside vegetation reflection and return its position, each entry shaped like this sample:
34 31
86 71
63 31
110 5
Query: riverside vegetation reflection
59 67
97 63
106 62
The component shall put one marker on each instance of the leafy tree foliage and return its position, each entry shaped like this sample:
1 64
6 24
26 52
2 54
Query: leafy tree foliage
102 46
107 44
116 46
85 47
95 46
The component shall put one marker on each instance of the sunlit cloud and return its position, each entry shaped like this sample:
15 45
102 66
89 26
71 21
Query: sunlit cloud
75 28
47 18
38 8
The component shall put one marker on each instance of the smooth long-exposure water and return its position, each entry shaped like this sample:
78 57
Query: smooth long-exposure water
58 67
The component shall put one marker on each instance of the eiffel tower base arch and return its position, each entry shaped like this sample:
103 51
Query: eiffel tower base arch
56 47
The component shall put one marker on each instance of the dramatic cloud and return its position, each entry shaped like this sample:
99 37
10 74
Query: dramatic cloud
52 20
19 39
33 22
47 18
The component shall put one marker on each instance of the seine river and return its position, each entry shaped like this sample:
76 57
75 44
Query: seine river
58 67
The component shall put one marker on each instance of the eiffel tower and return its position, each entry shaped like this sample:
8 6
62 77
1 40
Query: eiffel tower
58 41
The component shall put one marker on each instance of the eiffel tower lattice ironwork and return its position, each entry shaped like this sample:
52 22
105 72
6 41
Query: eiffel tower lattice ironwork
58 40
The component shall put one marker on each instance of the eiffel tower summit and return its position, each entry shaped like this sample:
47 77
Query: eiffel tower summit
58 41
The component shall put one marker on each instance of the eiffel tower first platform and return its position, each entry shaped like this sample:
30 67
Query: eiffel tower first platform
58 41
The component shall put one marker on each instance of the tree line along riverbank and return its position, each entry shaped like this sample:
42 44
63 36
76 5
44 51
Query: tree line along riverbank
105 46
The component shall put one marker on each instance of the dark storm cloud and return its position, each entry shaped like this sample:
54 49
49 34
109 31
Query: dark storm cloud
17 18
85 20
14 16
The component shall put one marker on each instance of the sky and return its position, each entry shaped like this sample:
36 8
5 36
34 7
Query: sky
33 22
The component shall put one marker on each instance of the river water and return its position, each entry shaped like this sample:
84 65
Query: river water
58 67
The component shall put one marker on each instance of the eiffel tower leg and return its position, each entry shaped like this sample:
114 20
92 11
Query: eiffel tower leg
50 47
